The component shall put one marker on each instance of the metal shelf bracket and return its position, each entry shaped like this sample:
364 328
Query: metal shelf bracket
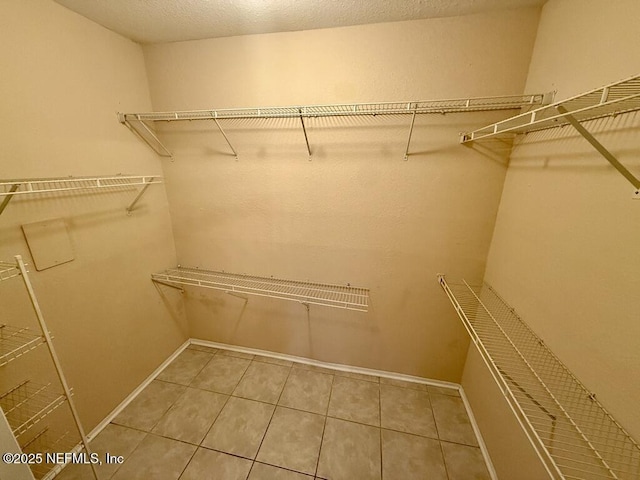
162 151
599 147
140 193
304 130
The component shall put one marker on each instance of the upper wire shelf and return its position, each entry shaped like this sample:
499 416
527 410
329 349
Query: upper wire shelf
32 186
506 102
339 296
27 404
137 122
574 436
16 341
615 98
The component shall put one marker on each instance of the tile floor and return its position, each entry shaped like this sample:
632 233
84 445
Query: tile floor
218 414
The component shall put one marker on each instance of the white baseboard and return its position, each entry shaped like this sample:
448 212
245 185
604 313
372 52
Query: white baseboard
114 413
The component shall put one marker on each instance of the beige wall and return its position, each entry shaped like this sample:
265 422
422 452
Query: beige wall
63 80
564 252
356 213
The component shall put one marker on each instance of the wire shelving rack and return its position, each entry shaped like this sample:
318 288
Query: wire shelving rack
572 433
338 296
38 186
28 404
16 341
140 123
612 99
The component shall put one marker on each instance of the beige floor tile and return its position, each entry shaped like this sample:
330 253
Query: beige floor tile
443 391
403 384
272 360
157 458
355 400
263 382
357 376
190 418
407 410
115 440
406 456
307 390
210 465
150 405
240 427
452 420
185 367
292 440
464 462
261 471
350 451
221 374
231 353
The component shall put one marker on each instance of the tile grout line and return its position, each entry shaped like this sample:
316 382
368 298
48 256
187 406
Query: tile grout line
324 426
270 420
380 413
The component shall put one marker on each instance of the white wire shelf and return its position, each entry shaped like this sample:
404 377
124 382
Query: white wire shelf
573 434
137 122
338 296
45 442
508 102
27 404
16 341
38 186
8 270
613 99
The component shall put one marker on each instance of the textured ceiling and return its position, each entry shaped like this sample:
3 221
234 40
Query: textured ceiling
159 21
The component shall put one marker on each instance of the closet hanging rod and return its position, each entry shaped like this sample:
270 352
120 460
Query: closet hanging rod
459 105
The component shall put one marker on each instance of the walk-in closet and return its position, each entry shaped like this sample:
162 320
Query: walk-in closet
266 240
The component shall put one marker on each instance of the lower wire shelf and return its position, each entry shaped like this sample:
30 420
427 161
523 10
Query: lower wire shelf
574 436
338 296
27 404
16 341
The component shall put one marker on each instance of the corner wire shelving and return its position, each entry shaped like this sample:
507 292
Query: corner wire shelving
28 403
48 442
138 122
612 99
306 293
570 430
34 186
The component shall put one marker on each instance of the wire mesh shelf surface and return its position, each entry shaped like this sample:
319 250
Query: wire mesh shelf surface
573 433
53 443
506 102
615 98
27 404
16 341
32 186
8 270
339 296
